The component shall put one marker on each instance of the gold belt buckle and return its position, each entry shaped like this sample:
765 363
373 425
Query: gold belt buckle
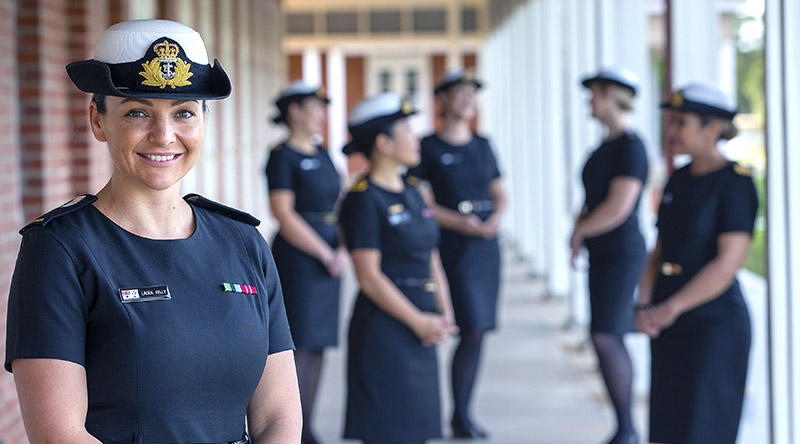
465 207
670 269
430 285
329 218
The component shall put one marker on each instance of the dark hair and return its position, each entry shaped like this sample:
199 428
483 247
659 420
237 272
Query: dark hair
729 130
100 101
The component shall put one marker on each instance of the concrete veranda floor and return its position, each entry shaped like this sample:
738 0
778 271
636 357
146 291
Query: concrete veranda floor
538 383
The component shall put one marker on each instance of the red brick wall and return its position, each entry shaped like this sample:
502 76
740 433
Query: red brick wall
11 429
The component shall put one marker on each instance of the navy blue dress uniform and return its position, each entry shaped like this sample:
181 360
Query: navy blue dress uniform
310 293
460 177
699 364
171 353
392 379
173 334
616 258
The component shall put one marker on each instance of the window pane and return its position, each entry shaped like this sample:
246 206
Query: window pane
300 23
430 20
385 21
469 19
341 22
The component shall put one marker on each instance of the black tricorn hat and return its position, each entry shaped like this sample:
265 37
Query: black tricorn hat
157 59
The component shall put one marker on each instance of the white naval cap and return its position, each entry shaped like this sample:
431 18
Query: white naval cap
374 115
129 41
704 99
297 91
616 75
456 76
151 59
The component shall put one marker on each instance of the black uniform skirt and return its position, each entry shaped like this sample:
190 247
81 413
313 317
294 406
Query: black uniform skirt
613 277
472 266
392 379
311 296
699 370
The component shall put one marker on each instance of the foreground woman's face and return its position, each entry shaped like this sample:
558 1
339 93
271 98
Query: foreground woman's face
153 142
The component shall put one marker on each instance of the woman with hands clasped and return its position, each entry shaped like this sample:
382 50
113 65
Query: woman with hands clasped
403 308
690 302
304 188
468 199
608 227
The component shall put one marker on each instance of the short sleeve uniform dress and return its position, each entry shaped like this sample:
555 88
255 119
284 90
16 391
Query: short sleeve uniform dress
172 354
699 364
616 258
392 379
460 177
311 294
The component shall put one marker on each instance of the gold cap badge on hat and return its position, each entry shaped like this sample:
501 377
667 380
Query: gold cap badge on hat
166 69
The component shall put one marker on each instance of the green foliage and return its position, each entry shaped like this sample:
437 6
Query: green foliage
750 74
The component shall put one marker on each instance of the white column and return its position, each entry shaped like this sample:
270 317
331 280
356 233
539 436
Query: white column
209 158
783 186
453 58
556 213
695 27
337 110
250 159
312 66
534 171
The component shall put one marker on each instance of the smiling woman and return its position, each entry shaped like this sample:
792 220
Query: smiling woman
128 338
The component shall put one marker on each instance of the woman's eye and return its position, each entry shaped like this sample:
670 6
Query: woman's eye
185 114
135 113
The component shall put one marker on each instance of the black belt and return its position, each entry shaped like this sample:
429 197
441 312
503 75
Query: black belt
426 284
325 217
475 206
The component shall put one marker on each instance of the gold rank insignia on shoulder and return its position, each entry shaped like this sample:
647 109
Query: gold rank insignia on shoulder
276 147
413 181
406 107
166 69
677 99
740 170
361 185
395 209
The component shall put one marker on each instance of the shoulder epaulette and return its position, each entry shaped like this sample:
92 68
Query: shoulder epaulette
69 207
360 186
200 201
412 180
740 170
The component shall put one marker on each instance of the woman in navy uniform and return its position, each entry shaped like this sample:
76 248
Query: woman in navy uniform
303 189
138 316
468 201
403 308
690 302
608 227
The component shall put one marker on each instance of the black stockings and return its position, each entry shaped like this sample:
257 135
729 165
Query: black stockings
466 360
615 364
309 367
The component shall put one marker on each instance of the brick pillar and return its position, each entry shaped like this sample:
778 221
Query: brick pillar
89 159
12 430
45 128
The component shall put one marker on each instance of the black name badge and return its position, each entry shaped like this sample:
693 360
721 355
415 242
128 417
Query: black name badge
144 294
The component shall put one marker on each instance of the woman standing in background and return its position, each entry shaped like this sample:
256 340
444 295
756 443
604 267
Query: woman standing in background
608 226
304 187
468 201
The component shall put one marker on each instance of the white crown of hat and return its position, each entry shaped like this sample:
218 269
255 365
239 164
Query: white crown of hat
299 87
707 94
619 74
379 105
129 41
